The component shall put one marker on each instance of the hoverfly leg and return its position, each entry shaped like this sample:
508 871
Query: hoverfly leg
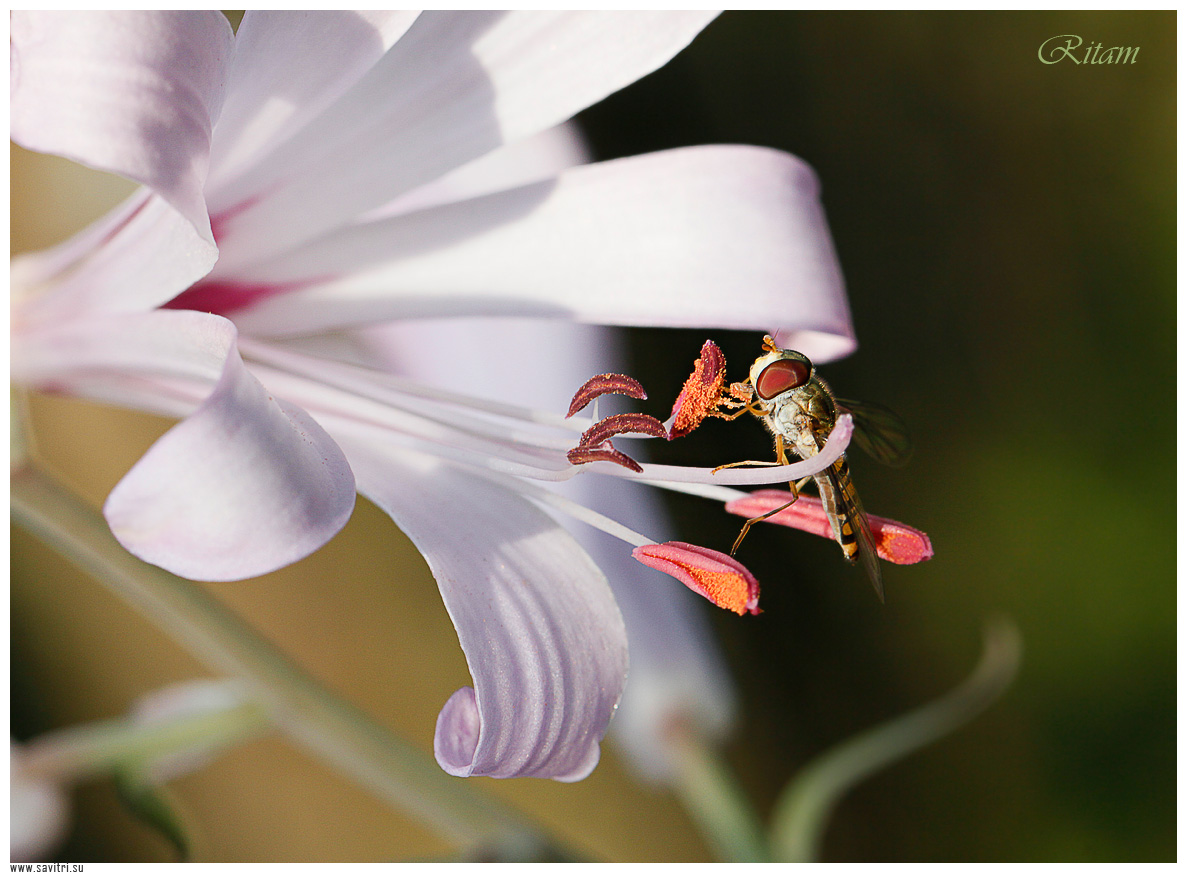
781 454
746 525
747 464
752 408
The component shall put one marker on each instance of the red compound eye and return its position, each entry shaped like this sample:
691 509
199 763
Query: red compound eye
781 376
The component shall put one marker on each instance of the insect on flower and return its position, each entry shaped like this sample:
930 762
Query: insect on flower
800 411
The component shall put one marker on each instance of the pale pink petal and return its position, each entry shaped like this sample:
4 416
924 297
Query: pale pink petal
39 268
713 236
542 634
288 67
133 93
676 673
244 485
455 86
139 256
166 362
534 159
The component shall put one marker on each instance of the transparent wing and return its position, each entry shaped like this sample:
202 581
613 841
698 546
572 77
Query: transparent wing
849 505
867 554
881 433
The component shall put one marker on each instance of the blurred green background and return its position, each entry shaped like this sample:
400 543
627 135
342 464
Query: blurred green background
1007 231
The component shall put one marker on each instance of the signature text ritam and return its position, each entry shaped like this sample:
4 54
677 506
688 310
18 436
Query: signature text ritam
1070 46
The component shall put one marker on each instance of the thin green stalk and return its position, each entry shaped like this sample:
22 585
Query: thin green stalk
308 713
98 747
721 810
802 811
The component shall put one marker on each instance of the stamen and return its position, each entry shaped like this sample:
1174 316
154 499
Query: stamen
570 507
595 442
606 383
389 388
412 414
606 452
718 578
894 541
701 393
627 422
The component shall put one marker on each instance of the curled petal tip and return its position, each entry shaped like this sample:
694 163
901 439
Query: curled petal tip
715 576
701 392
459 727
606 383
896 542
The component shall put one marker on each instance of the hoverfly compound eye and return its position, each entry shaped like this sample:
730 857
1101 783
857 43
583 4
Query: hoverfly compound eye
782 375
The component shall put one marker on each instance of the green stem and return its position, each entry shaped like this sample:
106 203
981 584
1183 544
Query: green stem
95 748
713 798
331 728
802 811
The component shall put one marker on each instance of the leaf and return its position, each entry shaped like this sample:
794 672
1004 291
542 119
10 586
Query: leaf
154 806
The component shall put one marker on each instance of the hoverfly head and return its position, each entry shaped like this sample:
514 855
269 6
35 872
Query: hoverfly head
778 371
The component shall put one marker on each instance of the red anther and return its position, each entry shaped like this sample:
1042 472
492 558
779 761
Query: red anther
717 577
894 541
605 452
627 422
702 391
606 383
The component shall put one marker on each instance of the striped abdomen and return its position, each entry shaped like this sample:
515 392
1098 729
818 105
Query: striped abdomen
841 505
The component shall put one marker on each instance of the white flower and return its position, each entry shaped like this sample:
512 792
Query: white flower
307 181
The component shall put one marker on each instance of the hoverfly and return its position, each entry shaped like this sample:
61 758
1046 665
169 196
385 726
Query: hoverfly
800 411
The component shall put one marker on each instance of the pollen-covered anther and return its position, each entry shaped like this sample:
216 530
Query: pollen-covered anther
715 576
895 542
626 422
606 383
702 391
606 452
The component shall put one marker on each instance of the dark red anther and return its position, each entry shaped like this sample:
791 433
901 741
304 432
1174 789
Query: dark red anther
606 452
628 422
606 383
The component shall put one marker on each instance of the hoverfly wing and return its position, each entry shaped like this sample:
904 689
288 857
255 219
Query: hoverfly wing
867 555
849 509
881 433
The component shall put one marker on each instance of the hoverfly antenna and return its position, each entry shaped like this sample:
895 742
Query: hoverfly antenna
768 344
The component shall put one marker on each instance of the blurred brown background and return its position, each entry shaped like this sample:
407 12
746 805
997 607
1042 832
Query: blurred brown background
1007 229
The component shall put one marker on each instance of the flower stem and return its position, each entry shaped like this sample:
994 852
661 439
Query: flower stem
803 809
89 749
308 713
716 802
